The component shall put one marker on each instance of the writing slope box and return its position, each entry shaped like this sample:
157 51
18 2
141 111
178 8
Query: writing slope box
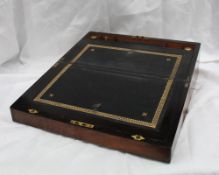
117 91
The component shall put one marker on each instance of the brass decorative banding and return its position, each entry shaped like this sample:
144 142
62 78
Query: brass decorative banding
161 103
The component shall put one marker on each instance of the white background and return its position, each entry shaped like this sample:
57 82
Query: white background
36 33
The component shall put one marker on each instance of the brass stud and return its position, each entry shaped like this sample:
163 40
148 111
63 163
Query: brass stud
51 95
93 37
138 137
188 48
168 59
92 50
144 114
33 111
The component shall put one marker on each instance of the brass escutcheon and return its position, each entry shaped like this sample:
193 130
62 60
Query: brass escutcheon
33 111
138 137
83 124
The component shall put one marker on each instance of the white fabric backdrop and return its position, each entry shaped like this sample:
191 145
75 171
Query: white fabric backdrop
34 30
35 33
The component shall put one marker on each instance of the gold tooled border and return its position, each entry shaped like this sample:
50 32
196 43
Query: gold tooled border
161 103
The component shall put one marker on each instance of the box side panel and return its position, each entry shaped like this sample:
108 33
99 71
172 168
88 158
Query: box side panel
186 105
110 141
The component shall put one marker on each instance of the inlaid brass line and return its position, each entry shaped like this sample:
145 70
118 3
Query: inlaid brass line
176 67
161 103
60 74
38 97
134 50
79 54
93 112
166 92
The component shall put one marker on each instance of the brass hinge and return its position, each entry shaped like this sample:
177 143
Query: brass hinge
83 124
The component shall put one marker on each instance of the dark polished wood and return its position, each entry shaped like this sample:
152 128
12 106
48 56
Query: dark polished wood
121 92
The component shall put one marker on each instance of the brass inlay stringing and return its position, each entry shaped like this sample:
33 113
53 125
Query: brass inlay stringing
83 124
33 111
126 119
138 137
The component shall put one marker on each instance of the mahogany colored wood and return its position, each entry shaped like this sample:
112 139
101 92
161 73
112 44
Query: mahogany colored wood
92 136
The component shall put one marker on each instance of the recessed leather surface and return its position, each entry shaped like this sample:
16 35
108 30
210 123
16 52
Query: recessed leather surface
117 83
